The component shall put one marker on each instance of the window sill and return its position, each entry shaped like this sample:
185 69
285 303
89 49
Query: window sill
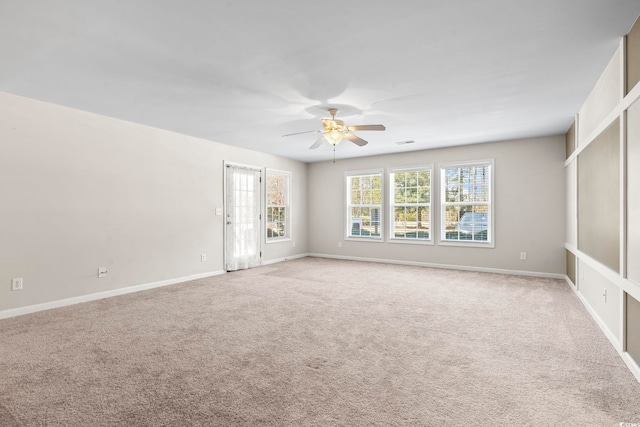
280 240
484 245
411 242
364 239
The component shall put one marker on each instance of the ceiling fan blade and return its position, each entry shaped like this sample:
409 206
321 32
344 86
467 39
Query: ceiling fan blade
317 143
366 127
300 133
356 140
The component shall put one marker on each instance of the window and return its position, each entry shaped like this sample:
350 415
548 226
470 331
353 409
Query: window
466 193
364 204
410 204
278 210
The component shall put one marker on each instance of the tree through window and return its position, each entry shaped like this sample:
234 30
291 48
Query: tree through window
466 193
278 210
364 204
410 203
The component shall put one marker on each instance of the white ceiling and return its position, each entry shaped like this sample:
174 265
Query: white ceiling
244 73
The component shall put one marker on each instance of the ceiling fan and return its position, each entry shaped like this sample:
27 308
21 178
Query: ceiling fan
334 130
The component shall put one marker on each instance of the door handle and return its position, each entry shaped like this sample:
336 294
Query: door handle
228 222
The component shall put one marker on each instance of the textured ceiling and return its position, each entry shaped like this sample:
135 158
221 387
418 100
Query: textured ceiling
246 72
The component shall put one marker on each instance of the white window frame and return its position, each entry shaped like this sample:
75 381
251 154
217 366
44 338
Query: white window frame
392 205
349 205
286 206
490 242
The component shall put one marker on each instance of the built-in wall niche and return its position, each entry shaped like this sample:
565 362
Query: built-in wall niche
599 198
633 192
633 56
633 328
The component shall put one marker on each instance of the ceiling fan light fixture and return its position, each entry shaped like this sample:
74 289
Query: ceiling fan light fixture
334 130
334 136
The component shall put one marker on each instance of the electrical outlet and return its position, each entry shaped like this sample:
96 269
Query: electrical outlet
523 256
16 284
203 257
294 243
604 295
102 272
339 244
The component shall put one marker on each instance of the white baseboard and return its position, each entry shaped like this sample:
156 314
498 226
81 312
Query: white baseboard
594 314
626 358
289 258
570 283
445 266
101 295
631 364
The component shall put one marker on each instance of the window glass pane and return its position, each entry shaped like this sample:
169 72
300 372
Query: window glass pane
376 196
411 195
365 196
422 222
424 179
410 221
364 203
355 197
355 183
476 222
481 185
365 222
277 185
451 182
451 222
412 179
376 181
399 229
371 222
466 197
424 195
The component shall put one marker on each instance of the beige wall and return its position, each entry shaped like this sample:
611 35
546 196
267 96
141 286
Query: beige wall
599 198
633 327
529 206
81 191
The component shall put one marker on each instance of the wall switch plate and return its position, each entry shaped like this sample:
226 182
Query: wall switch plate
339 244
102 272
16 284
523 256
203 257
218 211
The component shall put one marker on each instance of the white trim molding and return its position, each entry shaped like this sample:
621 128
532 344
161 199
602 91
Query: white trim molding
5 314
287 258
617 345
445 266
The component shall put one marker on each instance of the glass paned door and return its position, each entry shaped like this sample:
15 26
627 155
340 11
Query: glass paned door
242 217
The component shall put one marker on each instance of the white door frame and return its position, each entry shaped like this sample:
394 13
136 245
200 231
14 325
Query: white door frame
225 205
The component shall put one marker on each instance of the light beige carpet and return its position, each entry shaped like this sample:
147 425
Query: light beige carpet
317 342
